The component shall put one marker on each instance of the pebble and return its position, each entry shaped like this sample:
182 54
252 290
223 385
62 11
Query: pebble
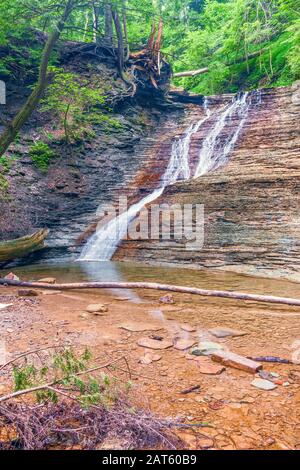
96 308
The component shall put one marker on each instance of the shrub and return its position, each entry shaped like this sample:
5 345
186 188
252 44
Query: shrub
41 155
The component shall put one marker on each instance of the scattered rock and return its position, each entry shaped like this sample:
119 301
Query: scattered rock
223 332
84 315
205 348
149 357
188 328
10 330
234 360
206 366
11 277
286 384
183 344
263 384
154 344
51 292
48 280
167 299
96 308
27 293
137 327
263 374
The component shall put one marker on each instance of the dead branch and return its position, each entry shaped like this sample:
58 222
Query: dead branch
151 285
34 351
191 73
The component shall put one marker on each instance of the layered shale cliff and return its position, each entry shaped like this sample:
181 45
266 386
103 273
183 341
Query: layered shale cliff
252 220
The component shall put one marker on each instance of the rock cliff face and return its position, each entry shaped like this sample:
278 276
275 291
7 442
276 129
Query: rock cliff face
251 204
83 175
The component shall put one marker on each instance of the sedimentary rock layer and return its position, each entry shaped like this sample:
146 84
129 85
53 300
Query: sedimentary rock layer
252 221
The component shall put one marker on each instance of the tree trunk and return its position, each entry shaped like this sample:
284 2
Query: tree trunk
12 129
124 17
151 285
108 23
119 33
95 12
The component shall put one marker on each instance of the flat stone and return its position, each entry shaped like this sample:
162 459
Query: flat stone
205 348
48 280
263 384
188 328
27 293
137 327
149 357
96 308
206 366
183 344
224 332
154 344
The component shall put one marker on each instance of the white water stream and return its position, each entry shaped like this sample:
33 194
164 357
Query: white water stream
103 244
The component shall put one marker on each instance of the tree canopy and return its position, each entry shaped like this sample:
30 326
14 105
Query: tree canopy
243 43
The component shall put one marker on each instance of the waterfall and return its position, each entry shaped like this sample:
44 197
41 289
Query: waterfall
103 244
214 152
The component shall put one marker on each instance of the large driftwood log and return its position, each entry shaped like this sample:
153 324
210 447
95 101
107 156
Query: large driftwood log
12 249
151 285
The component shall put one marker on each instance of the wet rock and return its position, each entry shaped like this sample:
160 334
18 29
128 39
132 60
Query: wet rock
11 277
96 308
167 299
183 344
223 332
48 280
205 348
154 344
137 327
263 384
27 293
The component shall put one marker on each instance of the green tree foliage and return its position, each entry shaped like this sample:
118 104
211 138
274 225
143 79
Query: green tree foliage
72 100
244 43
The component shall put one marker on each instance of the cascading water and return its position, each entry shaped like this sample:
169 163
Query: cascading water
214 152
103 244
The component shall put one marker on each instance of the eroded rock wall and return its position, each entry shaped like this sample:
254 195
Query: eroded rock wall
252 204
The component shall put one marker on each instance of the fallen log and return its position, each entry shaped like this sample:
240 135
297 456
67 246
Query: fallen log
190 73
19 247
152 285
